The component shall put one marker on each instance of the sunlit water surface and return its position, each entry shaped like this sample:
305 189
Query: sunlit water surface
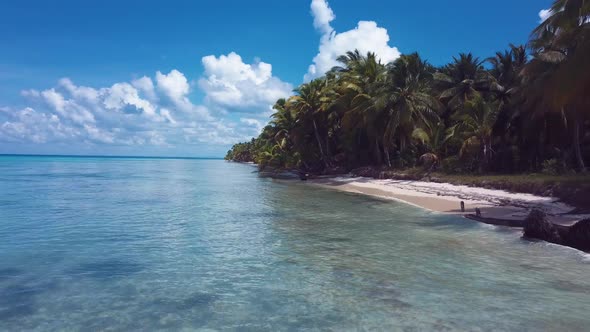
147 244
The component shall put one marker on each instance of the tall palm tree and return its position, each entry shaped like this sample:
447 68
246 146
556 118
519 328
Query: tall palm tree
506 66
475 124
506 69
406 100
434 138
462 80
359 79
559 74
307 103
284 122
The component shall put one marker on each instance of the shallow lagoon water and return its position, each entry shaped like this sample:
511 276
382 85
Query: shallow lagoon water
147 244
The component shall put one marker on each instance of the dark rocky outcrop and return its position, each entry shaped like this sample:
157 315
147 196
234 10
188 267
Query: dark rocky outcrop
578 235
536 226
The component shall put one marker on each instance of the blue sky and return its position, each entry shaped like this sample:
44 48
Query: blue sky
189 78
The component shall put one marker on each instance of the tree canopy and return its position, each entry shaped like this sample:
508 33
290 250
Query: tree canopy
512 112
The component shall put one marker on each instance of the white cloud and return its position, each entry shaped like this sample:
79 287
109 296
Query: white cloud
174 84
544 14
146 86
366 37
36 127
68 109
231 84
176 89
121 96
254 125
99 135
79 92
143 112
322 16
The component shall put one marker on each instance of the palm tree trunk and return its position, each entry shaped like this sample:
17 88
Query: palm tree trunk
378 151
576 143
317 137
386 152
487 153
328 150
483 164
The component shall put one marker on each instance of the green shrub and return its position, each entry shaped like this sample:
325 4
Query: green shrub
452 164
553 167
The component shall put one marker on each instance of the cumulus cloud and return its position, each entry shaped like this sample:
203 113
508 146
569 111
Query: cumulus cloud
141 112
254 125
32 126
233 85
146 86
366 37
174 84
322 16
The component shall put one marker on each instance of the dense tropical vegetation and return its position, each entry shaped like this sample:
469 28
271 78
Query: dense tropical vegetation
525 109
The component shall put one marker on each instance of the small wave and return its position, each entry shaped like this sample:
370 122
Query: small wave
487 226
585 257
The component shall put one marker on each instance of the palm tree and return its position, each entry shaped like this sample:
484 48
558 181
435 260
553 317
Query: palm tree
475 124
307 103
284 122
506 69
434 138
507 65
406 100
358 81
463 80
559 74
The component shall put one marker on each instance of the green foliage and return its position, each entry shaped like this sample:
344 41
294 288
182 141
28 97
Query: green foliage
452 164
462 117
553 167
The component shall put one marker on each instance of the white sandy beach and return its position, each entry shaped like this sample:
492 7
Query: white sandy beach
446 198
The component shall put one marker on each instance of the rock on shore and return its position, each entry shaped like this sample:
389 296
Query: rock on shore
537 226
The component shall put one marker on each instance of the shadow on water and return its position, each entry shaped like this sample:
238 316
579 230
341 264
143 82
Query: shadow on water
18 300
507 230
106 269
198 300
337 239
196 309
9 273
447 224
388 293
569 286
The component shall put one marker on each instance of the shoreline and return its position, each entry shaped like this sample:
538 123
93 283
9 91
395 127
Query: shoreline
446 198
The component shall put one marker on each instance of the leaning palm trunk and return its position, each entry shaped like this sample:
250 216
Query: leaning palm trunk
328 150
386 152
576 143
486 153
377 150
317 137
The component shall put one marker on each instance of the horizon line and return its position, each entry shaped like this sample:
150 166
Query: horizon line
102 156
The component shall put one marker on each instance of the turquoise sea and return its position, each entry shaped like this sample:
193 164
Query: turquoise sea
140 244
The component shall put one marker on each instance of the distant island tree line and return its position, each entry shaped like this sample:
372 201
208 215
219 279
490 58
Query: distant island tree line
524 109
